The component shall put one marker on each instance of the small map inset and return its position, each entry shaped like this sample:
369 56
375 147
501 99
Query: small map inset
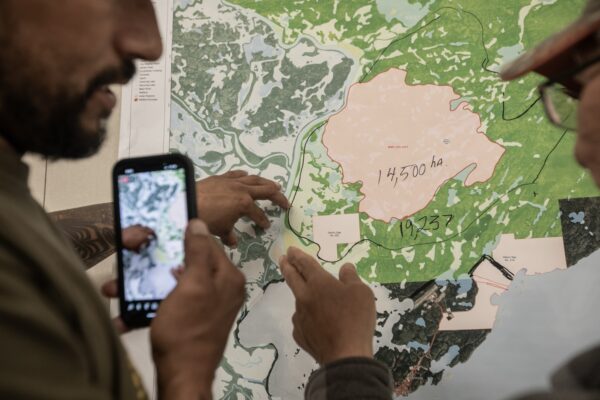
331 230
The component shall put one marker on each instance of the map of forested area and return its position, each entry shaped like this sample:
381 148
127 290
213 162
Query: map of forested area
401 150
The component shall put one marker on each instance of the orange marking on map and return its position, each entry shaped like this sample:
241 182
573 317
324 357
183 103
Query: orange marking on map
386 115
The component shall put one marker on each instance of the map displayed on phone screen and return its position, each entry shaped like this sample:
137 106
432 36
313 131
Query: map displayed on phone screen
153 212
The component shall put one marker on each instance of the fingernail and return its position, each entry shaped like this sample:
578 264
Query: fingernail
198 227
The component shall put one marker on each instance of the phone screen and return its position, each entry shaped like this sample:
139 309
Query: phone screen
153 213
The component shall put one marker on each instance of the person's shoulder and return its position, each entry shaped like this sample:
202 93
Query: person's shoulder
581 373
579 379
351 378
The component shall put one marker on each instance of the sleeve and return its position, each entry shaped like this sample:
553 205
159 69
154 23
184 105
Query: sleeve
351 378
41 353
566 395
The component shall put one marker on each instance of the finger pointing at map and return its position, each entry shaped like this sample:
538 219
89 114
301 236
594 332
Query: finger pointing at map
334 319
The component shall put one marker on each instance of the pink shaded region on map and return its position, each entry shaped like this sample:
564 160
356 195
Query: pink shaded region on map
404 142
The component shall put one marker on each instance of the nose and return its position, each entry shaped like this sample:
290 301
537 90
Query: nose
138 35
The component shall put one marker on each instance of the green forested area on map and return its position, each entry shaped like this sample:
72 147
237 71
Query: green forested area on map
456 44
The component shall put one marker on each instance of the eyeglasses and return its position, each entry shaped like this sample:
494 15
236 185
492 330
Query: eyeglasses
560 102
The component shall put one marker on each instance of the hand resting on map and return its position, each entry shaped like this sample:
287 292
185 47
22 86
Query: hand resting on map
224 199
334 319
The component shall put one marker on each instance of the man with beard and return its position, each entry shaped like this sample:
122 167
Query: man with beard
335 319
57 60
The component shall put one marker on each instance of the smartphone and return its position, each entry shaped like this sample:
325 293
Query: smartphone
154 198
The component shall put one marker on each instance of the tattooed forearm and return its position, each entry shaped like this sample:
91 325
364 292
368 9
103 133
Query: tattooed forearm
90 229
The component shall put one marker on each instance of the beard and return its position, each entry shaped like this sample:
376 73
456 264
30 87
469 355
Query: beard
49 122
53 131
41 111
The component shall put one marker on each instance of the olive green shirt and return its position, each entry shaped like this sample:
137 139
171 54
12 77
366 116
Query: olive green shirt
367 379
56 337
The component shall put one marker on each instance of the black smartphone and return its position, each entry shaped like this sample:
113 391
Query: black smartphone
154 198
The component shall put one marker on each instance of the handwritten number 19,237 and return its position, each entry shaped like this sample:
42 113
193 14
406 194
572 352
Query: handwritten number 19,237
428 223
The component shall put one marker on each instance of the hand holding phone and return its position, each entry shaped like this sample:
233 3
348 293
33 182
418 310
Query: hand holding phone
190 332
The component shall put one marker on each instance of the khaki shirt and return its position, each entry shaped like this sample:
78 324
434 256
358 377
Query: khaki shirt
56 337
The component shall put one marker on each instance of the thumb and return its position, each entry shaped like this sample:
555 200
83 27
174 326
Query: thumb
197 247
348 274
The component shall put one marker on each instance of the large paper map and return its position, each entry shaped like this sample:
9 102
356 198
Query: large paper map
400 149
